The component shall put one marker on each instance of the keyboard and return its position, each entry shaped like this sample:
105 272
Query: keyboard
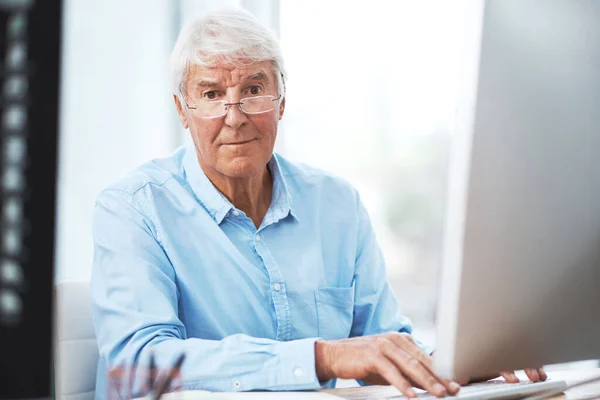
496 389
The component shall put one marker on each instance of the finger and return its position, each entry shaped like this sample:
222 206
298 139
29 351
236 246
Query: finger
407 344
415 370
542 373
385 368
453 387
509 377
532 374
462 381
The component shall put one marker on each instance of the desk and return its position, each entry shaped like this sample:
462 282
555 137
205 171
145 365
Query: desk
338 394
572 377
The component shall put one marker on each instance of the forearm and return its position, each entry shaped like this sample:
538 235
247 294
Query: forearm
236 363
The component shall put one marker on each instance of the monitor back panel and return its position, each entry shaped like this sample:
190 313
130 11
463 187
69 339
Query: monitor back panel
527 257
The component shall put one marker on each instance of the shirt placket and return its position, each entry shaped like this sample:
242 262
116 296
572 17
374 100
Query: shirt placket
277 288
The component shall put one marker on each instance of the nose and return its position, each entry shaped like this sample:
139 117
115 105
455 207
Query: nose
235 117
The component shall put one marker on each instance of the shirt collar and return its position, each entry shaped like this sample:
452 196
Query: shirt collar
218 206
281 202
211 199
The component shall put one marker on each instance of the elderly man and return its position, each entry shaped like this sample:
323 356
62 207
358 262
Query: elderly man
265 273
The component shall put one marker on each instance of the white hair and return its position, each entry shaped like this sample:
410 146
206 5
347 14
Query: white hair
232 36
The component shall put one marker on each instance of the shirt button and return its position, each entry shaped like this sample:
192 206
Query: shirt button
237 384
277 286
257 237
236 213
298 372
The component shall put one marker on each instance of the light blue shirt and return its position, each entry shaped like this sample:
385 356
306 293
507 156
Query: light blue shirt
178 269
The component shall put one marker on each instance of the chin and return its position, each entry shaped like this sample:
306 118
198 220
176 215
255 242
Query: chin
243 167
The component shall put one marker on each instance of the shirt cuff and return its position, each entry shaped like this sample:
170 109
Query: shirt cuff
296 369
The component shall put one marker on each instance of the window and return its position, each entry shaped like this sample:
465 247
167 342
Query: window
371 97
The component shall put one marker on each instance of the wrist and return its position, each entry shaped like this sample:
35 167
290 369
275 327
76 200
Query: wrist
323 361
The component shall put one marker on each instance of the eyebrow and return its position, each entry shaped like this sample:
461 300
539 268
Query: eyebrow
259 76
207 84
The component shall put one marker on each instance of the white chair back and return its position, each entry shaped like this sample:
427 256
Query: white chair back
75 348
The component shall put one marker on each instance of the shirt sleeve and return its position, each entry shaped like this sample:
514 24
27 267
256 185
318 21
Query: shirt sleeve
135 310
376 308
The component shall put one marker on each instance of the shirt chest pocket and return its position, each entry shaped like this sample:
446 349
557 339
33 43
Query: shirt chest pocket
335 307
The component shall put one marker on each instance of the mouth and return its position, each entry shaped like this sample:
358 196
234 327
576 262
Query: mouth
239 143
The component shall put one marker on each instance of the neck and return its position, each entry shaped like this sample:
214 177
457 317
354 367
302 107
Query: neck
252 194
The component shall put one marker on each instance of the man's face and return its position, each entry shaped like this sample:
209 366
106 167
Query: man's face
235 145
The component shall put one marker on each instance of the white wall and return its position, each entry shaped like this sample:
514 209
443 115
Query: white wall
116 109
267 11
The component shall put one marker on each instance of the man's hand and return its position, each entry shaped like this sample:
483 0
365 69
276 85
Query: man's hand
386 359
534 375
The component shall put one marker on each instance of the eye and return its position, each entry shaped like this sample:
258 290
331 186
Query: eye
254 89
210 95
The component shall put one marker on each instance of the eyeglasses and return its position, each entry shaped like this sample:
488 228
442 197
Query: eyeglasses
248 105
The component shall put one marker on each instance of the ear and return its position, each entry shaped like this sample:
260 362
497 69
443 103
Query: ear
180 111
281 108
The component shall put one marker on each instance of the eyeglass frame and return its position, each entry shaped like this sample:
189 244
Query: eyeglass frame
239 104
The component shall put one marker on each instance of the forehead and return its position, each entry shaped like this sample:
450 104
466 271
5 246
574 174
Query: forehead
230 75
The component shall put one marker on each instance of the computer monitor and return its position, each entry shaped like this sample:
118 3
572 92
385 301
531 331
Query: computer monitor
520 282
29 73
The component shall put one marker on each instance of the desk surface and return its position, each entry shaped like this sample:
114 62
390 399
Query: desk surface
570 377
